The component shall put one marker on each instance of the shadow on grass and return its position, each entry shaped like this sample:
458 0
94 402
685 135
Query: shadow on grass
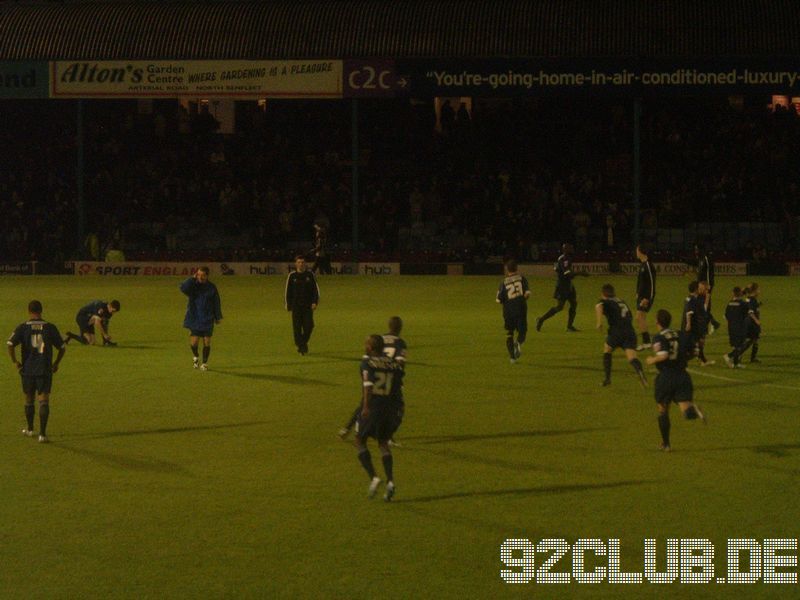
289 379
547 490
127 463
159 431
447 439
773 450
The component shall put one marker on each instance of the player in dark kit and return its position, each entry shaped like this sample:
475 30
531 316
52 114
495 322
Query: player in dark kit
673 383
620 332
705 274
394 347
203 311
513 295
37 338
322 260
381 411
645 293
753 329
737 313
694 323
96 314
565 289
302 298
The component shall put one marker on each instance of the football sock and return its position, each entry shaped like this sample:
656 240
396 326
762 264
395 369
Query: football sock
30 410
691 413
607 364
206 352
387 466
510 345
44 413
646 337
550 313
754 351
353 418
663 427
636 364
194 351
521 337
366 461
573 309
701 354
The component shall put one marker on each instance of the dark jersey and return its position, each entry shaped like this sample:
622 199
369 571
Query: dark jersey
617 313
646 282
394 347
97 308
755 307
667 341
320 241
737 313
564 274
384 375
511 295
301 290
705 270
694 311
37 338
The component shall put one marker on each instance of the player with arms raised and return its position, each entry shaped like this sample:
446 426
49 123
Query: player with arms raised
620 332
673 383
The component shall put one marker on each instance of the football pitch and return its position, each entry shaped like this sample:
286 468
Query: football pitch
163 481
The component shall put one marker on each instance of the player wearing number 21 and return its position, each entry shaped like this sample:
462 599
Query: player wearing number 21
513 295
37 338
382 410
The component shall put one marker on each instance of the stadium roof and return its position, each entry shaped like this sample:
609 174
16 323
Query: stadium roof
399 29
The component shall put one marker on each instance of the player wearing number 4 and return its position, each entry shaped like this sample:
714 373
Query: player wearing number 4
513 295
381 411
37 338
673 383
620 332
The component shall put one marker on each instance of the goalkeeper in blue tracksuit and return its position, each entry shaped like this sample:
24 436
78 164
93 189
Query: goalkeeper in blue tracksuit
202 313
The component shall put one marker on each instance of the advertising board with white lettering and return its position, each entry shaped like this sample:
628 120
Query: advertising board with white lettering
211 79
184 269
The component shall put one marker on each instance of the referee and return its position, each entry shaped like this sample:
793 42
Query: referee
302 297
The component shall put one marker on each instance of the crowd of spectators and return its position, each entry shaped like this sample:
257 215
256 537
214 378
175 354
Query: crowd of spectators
490 179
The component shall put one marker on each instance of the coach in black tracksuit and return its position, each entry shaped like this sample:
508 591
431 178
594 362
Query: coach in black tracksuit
302 297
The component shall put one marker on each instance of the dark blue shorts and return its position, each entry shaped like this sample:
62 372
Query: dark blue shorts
673 387
625 339
37 384
641 308
201 332
383 420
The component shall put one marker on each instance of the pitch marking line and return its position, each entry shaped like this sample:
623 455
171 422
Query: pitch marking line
723 378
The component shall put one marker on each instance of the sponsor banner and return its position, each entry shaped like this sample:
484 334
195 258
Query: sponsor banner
210 79
184 269
20 79
372 79
536 76
604 268
730 268
794 268
18 268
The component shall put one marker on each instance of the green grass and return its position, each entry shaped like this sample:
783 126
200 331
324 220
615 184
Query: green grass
162 481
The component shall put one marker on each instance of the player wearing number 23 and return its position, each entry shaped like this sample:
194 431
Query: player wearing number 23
513 295
37 338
